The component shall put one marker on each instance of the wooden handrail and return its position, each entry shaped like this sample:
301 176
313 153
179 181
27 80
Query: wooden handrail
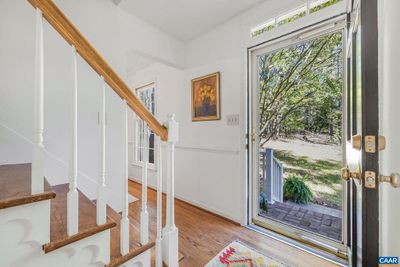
73 36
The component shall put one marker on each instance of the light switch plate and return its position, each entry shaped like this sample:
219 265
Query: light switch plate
232 119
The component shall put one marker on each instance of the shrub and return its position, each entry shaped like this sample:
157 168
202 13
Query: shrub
263 199
296 190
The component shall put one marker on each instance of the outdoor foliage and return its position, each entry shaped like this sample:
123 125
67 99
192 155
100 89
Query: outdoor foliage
300 89
326 4
323 176
270 26
296 190
263 200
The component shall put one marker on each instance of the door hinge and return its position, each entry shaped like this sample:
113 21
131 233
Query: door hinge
253 135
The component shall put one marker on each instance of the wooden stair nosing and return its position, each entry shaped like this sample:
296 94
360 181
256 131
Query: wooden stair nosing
79 236
18 201
133 253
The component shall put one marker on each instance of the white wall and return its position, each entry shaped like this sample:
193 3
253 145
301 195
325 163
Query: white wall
217 178
389 56
115 34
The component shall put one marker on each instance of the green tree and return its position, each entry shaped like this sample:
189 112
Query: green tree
300 89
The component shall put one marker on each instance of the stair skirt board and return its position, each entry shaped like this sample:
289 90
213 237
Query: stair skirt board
23 230
91 251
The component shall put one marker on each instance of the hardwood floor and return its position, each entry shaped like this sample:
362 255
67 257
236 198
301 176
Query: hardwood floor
203 235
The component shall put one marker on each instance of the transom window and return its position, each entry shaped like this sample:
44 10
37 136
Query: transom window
310 7
146 95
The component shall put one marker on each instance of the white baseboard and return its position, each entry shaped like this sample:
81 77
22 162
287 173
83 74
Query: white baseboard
193 202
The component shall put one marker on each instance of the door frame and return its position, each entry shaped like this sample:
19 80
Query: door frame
370 205
369 126
364 18
303 236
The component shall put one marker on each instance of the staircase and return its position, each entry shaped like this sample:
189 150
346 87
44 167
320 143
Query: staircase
43 225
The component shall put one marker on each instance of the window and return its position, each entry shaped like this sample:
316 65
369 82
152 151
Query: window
310 7
146 95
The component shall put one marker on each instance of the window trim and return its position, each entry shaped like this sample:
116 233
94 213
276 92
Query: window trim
136 120
273 23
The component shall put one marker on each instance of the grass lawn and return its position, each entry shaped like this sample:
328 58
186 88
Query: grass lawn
322 176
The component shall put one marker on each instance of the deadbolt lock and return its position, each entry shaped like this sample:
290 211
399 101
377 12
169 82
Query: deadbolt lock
347 174
356 142
370 178
381 143
370 143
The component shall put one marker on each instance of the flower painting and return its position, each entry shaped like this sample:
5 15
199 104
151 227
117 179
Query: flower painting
205 98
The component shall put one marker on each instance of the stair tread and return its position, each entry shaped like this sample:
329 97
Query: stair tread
134 237
132 253
58 225
15 184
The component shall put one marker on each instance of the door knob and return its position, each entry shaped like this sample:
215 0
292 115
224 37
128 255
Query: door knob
347 174
393 179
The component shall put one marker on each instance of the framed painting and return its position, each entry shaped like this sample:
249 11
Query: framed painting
205 98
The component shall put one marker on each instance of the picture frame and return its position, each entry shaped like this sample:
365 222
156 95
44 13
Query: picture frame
206 98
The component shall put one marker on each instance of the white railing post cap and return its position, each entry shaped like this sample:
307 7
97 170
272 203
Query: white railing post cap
173 129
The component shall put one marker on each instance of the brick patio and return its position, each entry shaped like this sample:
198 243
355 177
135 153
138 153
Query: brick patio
314 218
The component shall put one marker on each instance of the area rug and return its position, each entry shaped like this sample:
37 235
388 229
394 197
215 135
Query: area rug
238 254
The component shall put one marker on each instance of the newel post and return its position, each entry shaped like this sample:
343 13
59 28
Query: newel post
170 232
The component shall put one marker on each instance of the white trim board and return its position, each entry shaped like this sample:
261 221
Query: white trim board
210 149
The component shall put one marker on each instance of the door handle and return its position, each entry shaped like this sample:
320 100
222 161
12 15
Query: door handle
347 174
393 179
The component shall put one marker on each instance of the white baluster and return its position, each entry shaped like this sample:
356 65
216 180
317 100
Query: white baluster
159 205
170 232
37 178
144 215
73 196
124 232
101 189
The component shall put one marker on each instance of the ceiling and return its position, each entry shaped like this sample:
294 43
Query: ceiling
185 19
